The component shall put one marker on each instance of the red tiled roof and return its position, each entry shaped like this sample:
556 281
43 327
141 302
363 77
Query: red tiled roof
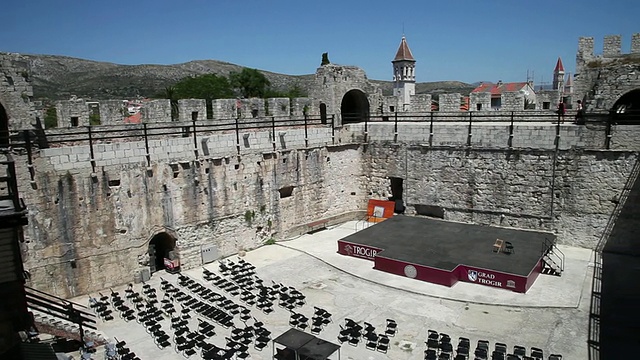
465 104
559 66
133 119
404 53
498 89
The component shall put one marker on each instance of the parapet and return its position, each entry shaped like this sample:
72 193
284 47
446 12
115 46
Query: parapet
612 46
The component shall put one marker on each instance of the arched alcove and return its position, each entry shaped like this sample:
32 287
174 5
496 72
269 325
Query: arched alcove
354 107
161 246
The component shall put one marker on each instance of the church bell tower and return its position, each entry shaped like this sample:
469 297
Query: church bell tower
404 76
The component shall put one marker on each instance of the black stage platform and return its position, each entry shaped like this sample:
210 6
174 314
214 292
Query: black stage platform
444 252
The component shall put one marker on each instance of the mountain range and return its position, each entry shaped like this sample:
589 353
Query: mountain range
55 77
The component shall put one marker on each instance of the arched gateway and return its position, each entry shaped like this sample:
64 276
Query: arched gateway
354 107
627 108
163 254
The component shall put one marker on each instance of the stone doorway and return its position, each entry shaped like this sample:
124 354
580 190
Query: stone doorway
397 189
323 113
354 107
162 246
4 128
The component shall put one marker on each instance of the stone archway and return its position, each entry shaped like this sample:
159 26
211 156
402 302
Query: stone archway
627 107
4 127
162 246
354 107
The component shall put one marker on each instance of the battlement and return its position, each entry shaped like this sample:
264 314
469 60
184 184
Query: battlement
611 47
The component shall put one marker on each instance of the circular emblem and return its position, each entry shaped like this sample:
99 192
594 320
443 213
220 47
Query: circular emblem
410 271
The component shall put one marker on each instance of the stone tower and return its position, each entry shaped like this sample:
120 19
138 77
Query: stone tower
404 76
568 85
558 77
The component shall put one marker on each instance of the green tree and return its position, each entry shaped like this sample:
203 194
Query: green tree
250 83
170 93
294 92
94 119
51 118
207 87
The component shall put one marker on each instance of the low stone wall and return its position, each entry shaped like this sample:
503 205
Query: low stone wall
492 135
180 149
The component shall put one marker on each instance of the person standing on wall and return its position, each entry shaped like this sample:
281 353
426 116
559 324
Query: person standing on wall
561 111
579 114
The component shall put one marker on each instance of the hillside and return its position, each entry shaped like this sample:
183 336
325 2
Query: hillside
58 77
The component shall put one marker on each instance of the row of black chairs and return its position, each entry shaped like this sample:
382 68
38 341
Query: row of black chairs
353 333
320 319
101 307
222 314
121 352
241 279
440 347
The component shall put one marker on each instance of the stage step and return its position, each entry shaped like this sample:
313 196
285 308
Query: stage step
551 266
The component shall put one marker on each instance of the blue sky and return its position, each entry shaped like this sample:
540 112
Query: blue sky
465 40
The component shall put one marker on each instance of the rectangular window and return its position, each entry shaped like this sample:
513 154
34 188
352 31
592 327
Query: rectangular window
392 108
74 121
478 107
546 105
194 115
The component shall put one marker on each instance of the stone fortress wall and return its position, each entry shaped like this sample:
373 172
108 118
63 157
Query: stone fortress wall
601 79
91 219
16 91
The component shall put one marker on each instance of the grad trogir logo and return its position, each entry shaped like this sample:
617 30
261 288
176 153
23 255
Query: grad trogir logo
472 275
483 278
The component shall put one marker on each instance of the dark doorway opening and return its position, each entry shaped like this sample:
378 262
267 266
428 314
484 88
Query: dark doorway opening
161 246
4 128
354 107
323 113
396 194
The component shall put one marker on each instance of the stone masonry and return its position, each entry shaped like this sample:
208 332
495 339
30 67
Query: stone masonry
102 221
91 218
600 80
16 91
72 113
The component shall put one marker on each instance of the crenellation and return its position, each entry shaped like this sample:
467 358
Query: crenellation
156 111
72 113
449 102
635 43
512 101
279 107
612 46
192 109
480 101
112 112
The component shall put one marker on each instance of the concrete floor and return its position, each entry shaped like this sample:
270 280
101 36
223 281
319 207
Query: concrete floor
553 315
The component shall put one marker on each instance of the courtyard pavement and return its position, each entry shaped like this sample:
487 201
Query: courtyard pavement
552 316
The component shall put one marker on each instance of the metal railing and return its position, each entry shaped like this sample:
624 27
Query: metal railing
10 190
102 134
596 284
